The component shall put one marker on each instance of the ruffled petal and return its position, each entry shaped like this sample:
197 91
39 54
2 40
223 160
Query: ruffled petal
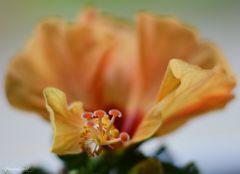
161 39
41 64
208 57
186 90
66 121
86 60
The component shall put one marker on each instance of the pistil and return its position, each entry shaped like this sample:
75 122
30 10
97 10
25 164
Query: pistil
99 131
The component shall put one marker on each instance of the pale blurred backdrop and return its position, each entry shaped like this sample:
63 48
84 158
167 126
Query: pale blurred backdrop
212 141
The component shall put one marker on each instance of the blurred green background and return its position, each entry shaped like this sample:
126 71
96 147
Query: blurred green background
212 141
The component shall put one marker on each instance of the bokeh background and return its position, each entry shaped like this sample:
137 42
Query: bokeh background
212 141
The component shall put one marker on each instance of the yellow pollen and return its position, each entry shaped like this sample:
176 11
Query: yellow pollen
99 132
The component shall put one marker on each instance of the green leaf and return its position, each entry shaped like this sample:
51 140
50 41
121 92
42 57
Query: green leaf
125 160
73 162
150 165
121 161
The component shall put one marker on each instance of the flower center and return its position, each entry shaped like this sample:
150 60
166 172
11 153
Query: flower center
99 132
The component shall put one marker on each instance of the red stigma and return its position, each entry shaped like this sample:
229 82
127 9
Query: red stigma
90 123
115 113
99 113
87 115
124 137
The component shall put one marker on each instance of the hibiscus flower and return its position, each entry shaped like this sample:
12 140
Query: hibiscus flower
155 75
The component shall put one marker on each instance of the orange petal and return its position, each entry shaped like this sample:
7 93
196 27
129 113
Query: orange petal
66 122
117 78
39 66
208 56
87 60
161 39
185 91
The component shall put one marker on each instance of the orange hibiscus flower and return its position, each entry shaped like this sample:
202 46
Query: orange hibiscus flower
159 74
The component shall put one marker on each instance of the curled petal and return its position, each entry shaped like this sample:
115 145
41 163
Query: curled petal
66 122
149 125
207 56
212 92
161 39
186 91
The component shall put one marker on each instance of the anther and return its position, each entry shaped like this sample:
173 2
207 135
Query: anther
87 115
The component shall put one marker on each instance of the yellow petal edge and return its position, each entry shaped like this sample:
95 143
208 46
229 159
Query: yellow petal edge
186 90
65 120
